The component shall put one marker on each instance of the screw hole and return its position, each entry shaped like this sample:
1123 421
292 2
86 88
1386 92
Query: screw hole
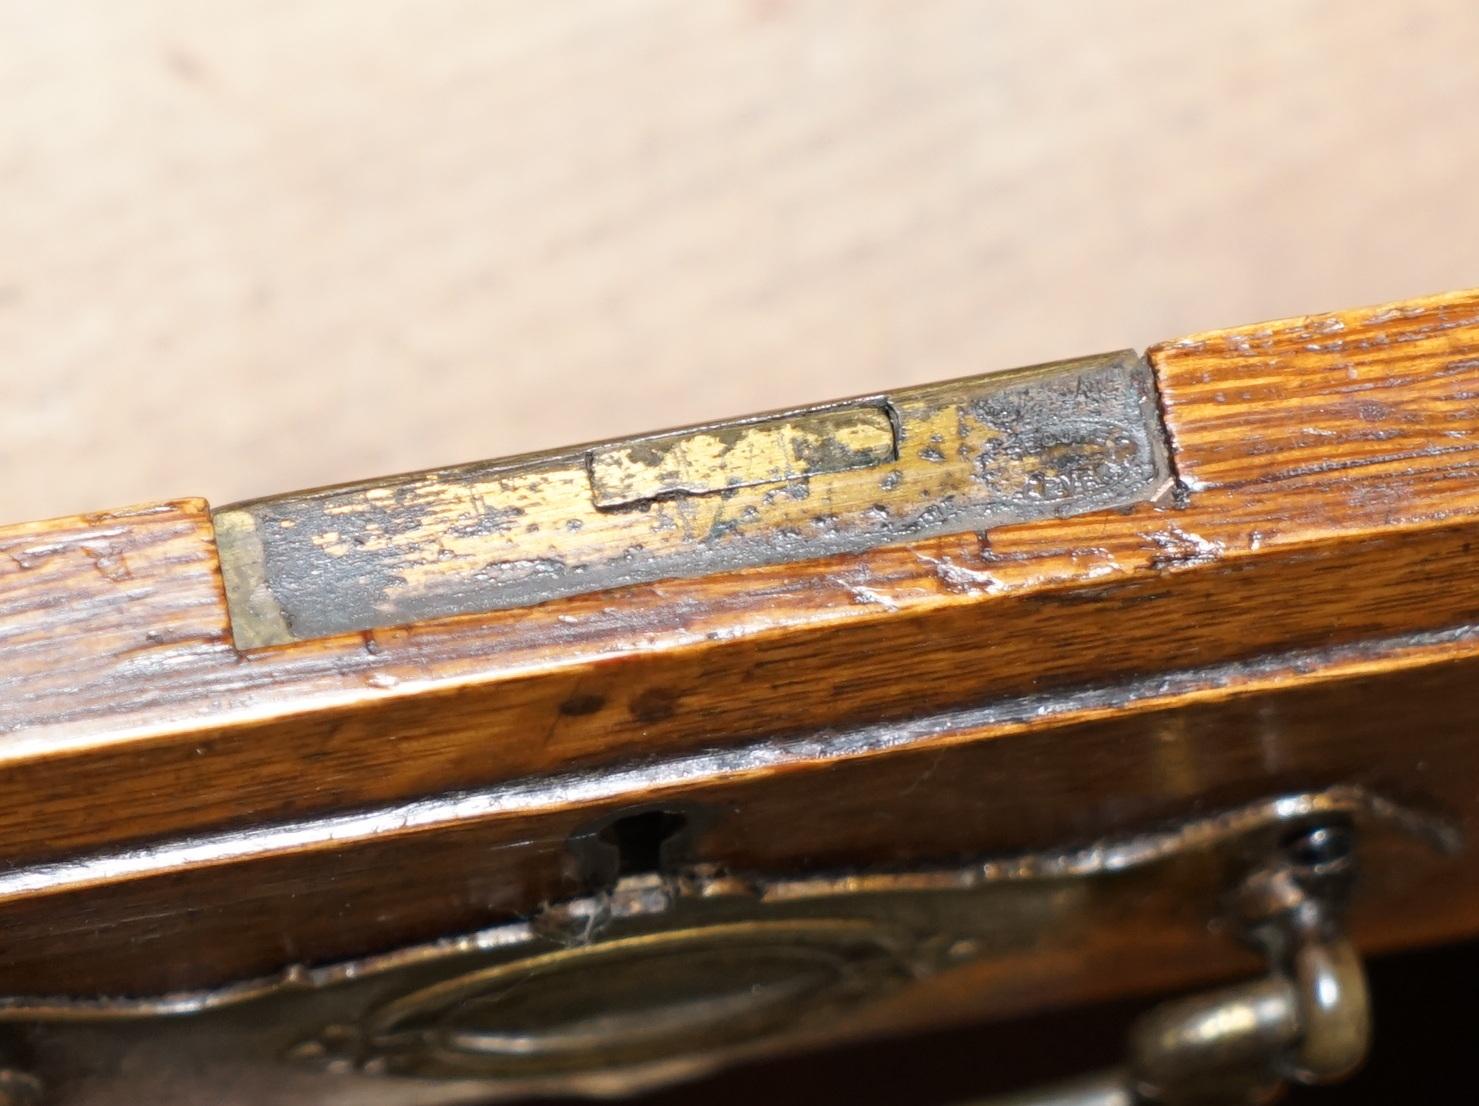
1319 849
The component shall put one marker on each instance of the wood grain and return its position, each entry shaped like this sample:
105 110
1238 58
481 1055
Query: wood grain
133 593
1012 776
1390 392
1302 614
343 722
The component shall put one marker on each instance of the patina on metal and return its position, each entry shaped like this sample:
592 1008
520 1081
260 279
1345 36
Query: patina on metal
1308 1021
1042 442
666 975
742 455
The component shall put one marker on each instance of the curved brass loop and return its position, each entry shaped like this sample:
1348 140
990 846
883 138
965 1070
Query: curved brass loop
1334 1012
1309 1020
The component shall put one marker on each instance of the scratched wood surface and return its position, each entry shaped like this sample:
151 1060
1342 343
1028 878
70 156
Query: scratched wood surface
246 248
1305 597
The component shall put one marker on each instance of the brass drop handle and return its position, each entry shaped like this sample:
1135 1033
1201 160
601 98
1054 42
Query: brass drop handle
1308 1021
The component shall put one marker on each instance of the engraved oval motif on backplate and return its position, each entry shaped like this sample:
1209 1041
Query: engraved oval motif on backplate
623 1002
664 998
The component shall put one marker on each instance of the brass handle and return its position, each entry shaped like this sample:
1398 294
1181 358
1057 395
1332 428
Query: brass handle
1236 1044
1308 1021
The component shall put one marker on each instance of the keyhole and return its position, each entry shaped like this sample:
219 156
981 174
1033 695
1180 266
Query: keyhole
638 839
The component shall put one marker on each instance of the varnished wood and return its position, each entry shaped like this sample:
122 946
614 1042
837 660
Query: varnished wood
1301 614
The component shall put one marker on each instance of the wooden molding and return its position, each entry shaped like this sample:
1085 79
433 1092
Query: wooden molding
175 811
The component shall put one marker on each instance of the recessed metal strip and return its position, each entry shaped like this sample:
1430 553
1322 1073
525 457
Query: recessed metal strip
972 454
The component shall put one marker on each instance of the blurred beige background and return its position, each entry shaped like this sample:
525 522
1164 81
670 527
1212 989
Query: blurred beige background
250 246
